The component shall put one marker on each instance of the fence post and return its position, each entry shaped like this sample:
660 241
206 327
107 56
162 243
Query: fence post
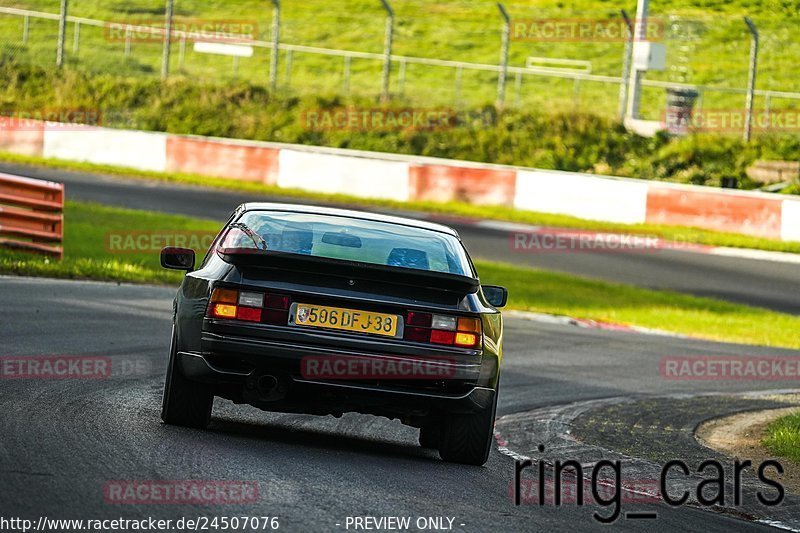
387 51
459 80
62 34
76 42
626 66
288 78
346 76
182 52
501 79
167 39
128 40
276 39
635 76
402 81
751 80
26 28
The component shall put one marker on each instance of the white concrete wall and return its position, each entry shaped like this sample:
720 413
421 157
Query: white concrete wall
790 220
581 195
331 173
375 175
135 149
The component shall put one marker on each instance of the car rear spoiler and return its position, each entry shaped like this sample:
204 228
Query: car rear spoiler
352 269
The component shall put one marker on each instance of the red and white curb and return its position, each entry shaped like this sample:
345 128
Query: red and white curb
587 323
615 241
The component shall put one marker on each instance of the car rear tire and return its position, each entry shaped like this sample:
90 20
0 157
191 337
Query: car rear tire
185 403
430 434
467 439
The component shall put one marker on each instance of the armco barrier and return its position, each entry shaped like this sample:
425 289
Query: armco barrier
401 177
31 215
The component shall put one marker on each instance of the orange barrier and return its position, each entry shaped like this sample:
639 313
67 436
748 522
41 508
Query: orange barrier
732 211
24 137
31 215
482 186
211 157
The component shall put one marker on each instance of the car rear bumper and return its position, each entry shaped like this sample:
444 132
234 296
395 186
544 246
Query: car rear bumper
237 367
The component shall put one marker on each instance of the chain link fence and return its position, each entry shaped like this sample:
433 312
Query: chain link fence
441 54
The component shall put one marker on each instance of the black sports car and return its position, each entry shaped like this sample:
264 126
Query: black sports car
325 311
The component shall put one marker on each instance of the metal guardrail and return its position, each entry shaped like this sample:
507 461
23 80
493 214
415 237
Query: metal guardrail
31 215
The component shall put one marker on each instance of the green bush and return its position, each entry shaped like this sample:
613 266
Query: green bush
562 141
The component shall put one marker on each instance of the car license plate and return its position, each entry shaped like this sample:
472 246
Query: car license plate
346 319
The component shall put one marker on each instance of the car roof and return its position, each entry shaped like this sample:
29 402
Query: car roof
348 213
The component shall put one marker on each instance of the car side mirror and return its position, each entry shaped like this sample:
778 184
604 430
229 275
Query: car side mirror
177 258
496 296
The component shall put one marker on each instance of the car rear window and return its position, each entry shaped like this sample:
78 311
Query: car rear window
354 239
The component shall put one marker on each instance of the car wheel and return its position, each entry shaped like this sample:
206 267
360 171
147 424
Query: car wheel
186 403
429 435
467 439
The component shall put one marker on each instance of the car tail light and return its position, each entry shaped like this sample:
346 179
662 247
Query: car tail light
442 337
446 323
419 319
276 301
249 306
251 299
224 311
417 334
249 314
443 329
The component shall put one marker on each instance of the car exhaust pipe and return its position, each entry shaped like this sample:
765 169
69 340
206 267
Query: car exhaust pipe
267 385
265 388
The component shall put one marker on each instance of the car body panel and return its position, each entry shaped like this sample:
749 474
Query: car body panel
232 356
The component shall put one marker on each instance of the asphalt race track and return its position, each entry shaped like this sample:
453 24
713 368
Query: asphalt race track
767 284
63 441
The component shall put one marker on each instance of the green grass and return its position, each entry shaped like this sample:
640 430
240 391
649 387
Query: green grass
88 256
90 252
466 30
783 437
562 294
457 209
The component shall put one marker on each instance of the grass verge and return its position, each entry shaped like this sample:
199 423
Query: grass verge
92 253
457 209
783 437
